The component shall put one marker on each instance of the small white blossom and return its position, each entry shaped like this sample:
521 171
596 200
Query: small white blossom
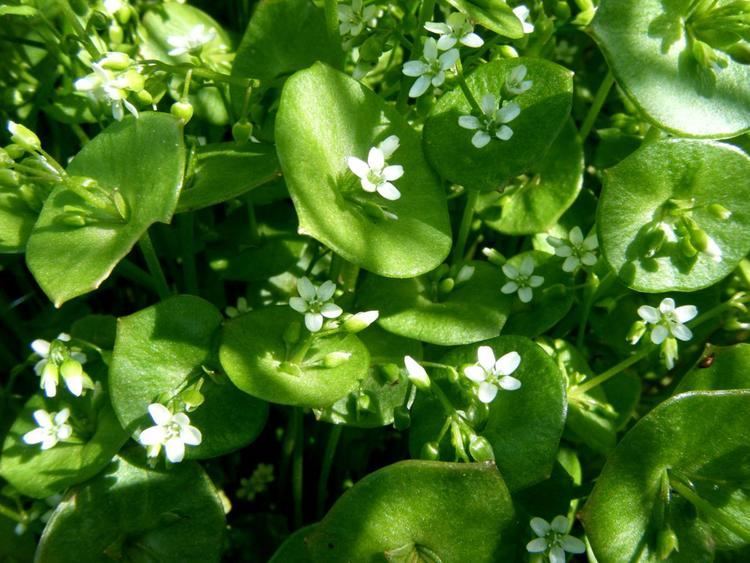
416 373
355 17
57 359
491 374
430 69
576 250
53 428
668 320
193 41
522 13
172 431
455 30
492 122
315 303
553 539
515 83
521 279
376 175
105 85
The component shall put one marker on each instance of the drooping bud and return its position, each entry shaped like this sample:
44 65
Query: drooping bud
430 451
182 110
416 373
636 332
446 285
115 60
360 321
242 131
9 178
192 399
494 256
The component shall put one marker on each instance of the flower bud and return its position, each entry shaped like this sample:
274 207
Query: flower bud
9 178
401 418
120 204
115 60
494 256
24 137
446 285
477 413
242 131
116 34
364 402
416 373
145 97
740 52
5 159
654 241
390 372
666 543
14 151
562 11
192 399
508 52
687 248
669 352
719 211
465 273
335 359
98 20
373 210
71 220
481 449
30 198
430 451
636 332
360 321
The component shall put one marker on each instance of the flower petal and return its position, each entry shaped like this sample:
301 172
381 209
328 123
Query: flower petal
393 172
43 418
573 545
488 104
35 436
389 191
446 42
439 28
313 321
685 313
326 290
159 413
540 526
472 40
376 159
559 524
556 555
525 294
510 271
298 304
507 363
414 68
480 139
331 310
659 334
152 436
487 392
537 545
40 347
175 450
681 332
358 166
420 86
430 50
504 133
576 236
527 266
306 289
649 314
486 358
666 305
571 263
448 59
509 287
190 435
475 373
469 122
509 383
389 145
508 112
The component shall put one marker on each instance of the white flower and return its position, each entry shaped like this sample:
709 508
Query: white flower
173 431
195 40
417 374
455 30
668 320
109 87
522 13
491 374
355 17
515 83
553 539
576 250
315 303
492 121
430 68
113 6
522 279
53 428
59 359
376 175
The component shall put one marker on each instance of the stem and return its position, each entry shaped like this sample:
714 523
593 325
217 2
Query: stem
611 372
186 85
298 354
10 513
252 223
198 71
332 20
186 224
129 270
297 465
154 268
463 230
80 32
465 88
325 468
425 14
596 105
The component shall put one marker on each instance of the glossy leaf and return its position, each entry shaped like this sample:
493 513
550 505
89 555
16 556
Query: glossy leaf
325 117
294 548
16 221
721 367
495 16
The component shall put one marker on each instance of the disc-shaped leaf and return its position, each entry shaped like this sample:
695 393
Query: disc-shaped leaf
132 513
646 45
325 117
415 308
159 352
524 426
535 201
659 203
694 444
416 508
256 358
495 16
545 108
144 160
722 367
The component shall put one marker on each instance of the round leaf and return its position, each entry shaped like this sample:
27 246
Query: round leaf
294 548
495 16
722 367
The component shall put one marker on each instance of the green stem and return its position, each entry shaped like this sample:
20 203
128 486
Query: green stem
325 469
596 105
154 267
252 223
297 467
72 18
10 513
186 224
465 88
332 20
611 372
463 230
299 352
425 14
129 270
186 85
202 72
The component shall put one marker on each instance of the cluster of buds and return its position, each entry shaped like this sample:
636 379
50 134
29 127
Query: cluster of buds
718 30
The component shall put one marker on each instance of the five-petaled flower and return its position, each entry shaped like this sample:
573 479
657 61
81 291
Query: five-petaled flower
455 30
522 13
172 431
354 17
516 83
492 122
58 358
668 320
430 69
521 279
576 250
110 87
376 175
315 303
491 374
192 42
52 428
553 539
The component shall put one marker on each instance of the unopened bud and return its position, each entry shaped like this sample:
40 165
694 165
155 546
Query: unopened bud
364 402
192 399
687 248
430 451
446 285
719 211
494 256
508 52
481 449
24 137
390 372
116 34
15 151
5 159
465 273
9 178
242 131
115 60
416 373
70 220
120 204
30 197
666 543
636 332
654 241
335 359
145 97
740 52
360 321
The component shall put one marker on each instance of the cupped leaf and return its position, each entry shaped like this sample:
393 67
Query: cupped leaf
225 171
495 16
534 202
143 159
159 353
682 467
672 216
523 426
413 511
256 358
132 513
416 308
325 117
720 368
545 108
648 47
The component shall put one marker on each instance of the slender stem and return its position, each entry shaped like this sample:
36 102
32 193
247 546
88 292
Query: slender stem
252 222
425 14
10 513
297 467
186 85
72 18
443 398
198 71
611 372
129 270
186 224
325 468
465 88
154 267
596 105
592 288
299 352
463 230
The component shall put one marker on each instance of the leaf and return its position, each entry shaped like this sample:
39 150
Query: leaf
143 158
647 189
496 16
720 368
171 342
325 117
294 547
545 109
475 310
15 548
696 445
131 513
420 504
16 221
644 42
253 353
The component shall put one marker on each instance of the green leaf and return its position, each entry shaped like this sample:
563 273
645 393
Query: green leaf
171 342
15 548
325 117
645 44
659 184
294 547
545 109
474 310
694 444
496 16
720 368
144 159
224 171
256 358
534 202
16 221
131 513
420 505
